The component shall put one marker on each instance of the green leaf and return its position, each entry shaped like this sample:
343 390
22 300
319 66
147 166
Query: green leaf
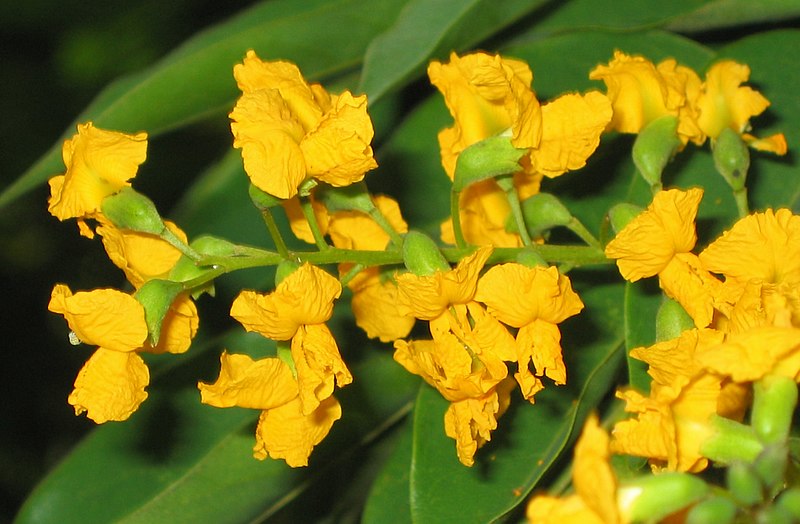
529 438
177 460
721 14
642 300
388 501
432 28
325 38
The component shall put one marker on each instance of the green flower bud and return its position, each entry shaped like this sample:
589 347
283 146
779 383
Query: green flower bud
713 510
621 214
671 320
128 209
261 199
789 500
770 466
774 401
491 157
156 296
650 498
731 158
744 484
774 515
542 211
354 197
421 255
654 147
730 441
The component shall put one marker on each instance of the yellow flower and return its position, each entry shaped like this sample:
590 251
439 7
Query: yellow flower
673 422
110 386
284 430
642 92
534 300
297 310
427 297
755 353
290 130
141 256
99 163
484 210
595 498
724 103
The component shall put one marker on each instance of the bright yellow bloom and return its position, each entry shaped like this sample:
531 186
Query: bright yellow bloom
304 297
595 498
297 310
427 297
284 430
471 421
290 130
110 386
642 92
725 103
484 210
672 423
755 353
102 317
534 300
99 163
141 256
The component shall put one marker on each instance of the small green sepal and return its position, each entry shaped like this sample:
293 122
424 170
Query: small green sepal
491 157
261 199
671 320
542 212
354 197
156 296
421 255
621 215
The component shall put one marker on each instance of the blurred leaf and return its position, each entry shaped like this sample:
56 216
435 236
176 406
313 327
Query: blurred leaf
529 438
720 14
642 300
612 14
323 37
432 28
177 460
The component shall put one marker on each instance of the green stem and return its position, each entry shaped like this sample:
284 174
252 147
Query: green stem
740 197
376 215
350 275
579 229
455 214
311 218
180 245
274 232
506 183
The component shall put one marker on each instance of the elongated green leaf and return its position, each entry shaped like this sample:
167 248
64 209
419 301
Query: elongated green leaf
529 438
177 460
323 37
642 300
721 14
430 29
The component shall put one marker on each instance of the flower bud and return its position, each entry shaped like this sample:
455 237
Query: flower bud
650 498
128 209
621 214
713 510
542 211
770 466
284 269
261 199
789 500
654 147
774 401
491 157
731 158
671 320
774 515
421 255
156 296
744 484
354 197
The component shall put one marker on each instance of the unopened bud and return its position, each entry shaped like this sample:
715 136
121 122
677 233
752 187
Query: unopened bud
491 157
421 255
731 158
542 212
650 498
354 197
713 510
654 147
671 320
261 199
744 484
774 402
621 214
128 209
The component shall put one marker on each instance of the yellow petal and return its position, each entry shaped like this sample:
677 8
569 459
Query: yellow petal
318 363
748 356
356 230
572 509
484 210
540 343
685 280
572 125
594 480
304 297
337 150
141 256
102 317
285 433
725 103
260 384
374 306
647 244
110 386
269 136
772 144
99 163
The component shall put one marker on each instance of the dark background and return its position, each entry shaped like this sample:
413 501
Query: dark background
54 59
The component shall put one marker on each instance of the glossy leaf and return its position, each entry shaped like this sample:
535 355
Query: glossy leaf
323 37
529 438
720 14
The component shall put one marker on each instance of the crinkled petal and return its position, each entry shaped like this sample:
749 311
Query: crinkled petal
318 363
110 386
686 281
375 309
752 354
102 317
540 343
260 384
285 433
725 103
771 144
647 244
99 163
572 125
594 480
